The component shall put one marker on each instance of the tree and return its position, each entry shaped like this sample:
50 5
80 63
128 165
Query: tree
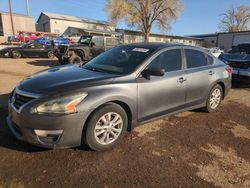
144 13
235 19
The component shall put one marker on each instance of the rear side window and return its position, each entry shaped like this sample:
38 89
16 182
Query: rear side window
99 41
112 41
210 60
195 58
169 60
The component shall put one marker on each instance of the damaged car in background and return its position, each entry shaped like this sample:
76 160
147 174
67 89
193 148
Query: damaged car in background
86 48
239 59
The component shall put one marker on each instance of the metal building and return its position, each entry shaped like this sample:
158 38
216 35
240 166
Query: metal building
73 25
21 23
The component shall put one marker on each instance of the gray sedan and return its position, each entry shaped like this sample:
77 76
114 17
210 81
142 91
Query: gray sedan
98 102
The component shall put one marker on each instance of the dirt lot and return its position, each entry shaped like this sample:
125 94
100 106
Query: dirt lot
192 149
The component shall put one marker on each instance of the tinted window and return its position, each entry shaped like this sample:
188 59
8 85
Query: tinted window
241 48
210 60
195 58
169 60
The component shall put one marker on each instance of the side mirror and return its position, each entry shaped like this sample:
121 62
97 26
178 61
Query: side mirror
92 44
153 72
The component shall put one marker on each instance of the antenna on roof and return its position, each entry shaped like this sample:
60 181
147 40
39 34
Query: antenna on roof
27 8
11 19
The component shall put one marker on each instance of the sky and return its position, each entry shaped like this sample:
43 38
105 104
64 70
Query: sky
198 16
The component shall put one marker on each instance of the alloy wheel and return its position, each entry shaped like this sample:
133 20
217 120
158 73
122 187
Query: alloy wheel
108 128
215 98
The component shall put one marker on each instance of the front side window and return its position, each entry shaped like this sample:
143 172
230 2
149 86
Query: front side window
169 61
195 58
120 60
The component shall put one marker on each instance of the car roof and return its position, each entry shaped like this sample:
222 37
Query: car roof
157 45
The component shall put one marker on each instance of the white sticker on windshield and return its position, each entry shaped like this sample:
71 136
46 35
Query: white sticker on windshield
140 50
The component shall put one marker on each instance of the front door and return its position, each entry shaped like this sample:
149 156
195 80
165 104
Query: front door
161 95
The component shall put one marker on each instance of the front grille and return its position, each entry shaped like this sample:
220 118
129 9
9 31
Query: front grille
240 65
19 100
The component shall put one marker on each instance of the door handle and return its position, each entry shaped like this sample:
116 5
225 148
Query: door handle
211 73
181 79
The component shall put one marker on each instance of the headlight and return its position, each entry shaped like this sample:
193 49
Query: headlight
62 105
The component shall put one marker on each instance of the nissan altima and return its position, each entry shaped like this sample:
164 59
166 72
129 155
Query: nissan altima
98 102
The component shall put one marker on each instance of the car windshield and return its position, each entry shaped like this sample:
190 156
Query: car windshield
120 60
85 40
242 48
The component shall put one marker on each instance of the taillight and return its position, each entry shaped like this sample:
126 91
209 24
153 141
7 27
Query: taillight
229 70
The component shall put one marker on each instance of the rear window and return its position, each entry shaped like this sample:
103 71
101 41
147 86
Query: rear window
241 48
195 58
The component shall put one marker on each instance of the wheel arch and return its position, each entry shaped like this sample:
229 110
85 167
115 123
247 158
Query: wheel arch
223 88
122 104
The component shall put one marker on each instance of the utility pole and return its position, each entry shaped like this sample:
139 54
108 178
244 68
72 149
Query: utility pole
11 18
27 8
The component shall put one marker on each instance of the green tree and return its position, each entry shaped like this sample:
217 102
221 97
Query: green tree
144 13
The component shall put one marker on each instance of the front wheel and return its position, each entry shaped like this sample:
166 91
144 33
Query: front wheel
106 127
51 55
15 54
214 98
75 59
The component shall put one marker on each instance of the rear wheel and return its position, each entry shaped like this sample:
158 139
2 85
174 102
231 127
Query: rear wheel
51 55
214 98
106 127
15 54
75 59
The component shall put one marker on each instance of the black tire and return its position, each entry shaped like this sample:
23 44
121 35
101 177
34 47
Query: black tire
16 54
51 55
89 133
75 59
209 107
62 61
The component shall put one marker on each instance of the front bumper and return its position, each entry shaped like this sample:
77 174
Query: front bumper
45 131
242 75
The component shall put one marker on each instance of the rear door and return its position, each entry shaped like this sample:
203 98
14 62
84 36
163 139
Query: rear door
200 75
161 95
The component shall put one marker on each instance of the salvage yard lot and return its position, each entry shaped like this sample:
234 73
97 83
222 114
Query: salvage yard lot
190 149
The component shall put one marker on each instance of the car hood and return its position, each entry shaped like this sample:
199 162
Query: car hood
7 49
236 57
63 78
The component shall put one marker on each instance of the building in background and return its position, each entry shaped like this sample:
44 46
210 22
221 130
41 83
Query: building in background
209 40
73 25
21 23
225 40
130 36
229 39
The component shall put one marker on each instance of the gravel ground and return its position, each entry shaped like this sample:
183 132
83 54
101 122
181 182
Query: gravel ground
191 149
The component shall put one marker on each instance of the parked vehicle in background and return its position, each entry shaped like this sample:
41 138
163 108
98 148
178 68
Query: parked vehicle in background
26 37
29 50
86 48
98 102
239 59
216 51
56 41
